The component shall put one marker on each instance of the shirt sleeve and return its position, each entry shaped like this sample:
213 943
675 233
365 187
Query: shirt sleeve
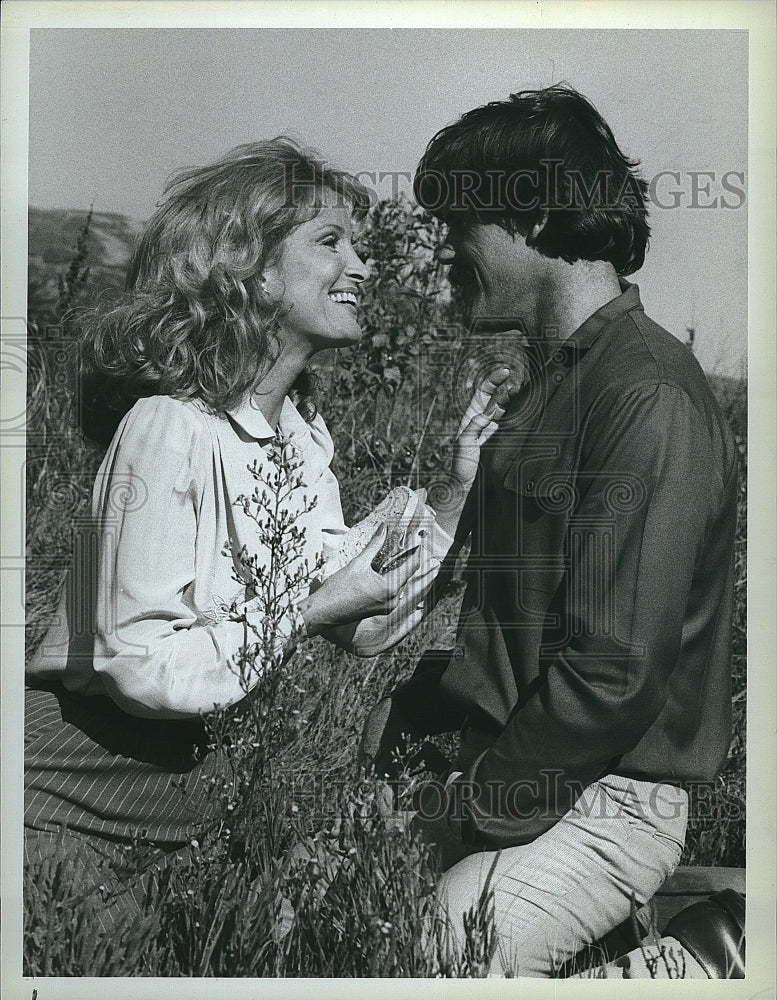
154 656
634 537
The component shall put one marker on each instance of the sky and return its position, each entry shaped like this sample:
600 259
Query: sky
114 111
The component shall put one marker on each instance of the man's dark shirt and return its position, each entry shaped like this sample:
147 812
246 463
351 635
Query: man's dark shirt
595 631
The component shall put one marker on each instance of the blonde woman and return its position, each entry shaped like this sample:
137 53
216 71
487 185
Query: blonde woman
246 270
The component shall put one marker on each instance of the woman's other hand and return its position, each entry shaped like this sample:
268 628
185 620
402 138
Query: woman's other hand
480 420
358 591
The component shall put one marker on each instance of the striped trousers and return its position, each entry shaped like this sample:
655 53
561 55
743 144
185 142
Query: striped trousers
102 787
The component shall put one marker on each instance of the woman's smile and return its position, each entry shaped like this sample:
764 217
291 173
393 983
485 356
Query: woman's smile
317 281
345 297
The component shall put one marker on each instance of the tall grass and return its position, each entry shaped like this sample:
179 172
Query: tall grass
311 878
716 834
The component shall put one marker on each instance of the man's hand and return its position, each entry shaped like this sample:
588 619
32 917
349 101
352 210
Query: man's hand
434 829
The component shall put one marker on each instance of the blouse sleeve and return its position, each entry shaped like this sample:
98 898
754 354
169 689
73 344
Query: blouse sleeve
155 657
330 509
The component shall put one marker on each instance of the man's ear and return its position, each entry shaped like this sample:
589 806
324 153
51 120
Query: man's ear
534 233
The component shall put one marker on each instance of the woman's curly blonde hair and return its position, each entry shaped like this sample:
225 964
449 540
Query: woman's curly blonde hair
194 321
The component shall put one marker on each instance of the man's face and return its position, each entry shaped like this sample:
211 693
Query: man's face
497 275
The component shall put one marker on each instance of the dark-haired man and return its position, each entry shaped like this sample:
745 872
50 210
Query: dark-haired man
591 671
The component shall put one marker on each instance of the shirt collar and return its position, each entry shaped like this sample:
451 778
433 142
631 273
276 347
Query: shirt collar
610 312
565 352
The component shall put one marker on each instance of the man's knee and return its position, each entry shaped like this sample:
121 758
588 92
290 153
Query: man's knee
521 936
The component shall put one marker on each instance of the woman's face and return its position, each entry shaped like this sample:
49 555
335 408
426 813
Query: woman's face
317 279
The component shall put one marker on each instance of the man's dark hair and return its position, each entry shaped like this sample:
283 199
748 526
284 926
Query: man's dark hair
542 151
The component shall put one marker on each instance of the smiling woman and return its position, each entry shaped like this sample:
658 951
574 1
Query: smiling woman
317 279
214 274
246 270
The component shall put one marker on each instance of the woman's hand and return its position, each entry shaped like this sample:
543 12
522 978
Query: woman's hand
378 633
481 419
357 591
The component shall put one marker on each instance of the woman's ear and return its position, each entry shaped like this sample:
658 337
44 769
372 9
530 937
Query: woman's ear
534 233
270 283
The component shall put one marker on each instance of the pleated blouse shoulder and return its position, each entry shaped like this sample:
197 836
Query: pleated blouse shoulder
162 438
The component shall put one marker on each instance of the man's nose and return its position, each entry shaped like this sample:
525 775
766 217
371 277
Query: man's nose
446 254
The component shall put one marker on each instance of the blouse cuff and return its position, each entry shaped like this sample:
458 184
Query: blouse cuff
437 541
290 630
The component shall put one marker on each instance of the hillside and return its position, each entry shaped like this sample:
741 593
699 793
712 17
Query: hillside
52 237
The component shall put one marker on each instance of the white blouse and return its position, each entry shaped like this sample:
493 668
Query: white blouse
150 583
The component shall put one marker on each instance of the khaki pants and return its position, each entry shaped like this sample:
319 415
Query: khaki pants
573 884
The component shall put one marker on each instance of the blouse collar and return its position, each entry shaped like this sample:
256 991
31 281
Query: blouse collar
312 439
248 416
